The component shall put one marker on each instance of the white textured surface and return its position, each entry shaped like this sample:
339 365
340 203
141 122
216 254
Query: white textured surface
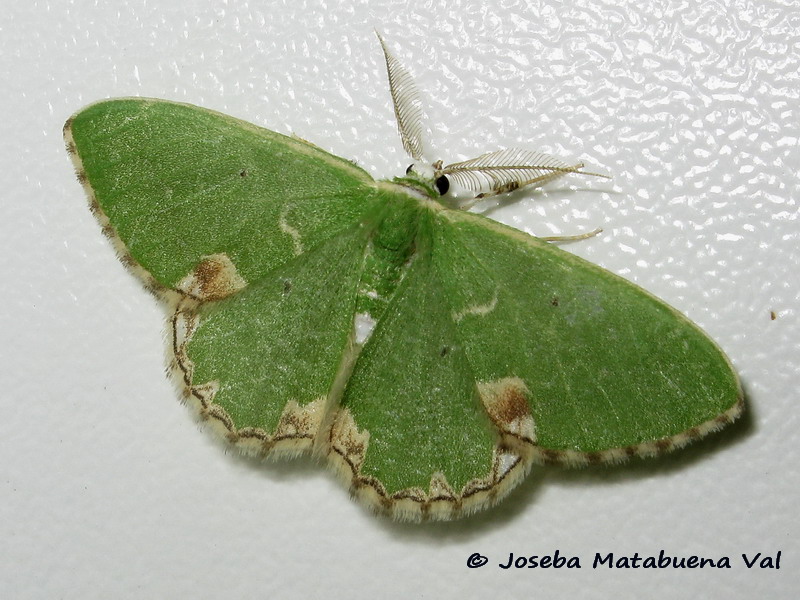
107 488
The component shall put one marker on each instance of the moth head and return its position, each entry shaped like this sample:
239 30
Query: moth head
492 173
430 174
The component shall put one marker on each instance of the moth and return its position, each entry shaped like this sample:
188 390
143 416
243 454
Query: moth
429 355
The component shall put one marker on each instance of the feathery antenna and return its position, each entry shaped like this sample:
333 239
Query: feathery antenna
487 175
407 104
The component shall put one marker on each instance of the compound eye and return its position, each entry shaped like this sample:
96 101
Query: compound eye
409 169
442 184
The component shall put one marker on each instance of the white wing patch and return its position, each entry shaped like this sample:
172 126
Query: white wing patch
364 324
479 310
291 232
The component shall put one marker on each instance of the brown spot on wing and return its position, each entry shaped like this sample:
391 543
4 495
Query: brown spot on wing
506 401
215 277
510 405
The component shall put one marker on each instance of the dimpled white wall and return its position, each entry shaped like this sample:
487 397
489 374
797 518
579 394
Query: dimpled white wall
108 488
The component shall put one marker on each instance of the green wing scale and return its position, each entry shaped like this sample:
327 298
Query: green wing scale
430 355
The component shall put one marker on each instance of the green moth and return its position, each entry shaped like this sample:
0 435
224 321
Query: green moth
428 354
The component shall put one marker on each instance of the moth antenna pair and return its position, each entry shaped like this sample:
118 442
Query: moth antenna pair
487 175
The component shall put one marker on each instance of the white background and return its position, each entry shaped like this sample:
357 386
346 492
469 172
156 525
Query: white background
108 488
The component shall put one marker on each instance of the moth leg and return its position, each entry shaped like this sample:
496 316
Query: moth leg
509 187
572 238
